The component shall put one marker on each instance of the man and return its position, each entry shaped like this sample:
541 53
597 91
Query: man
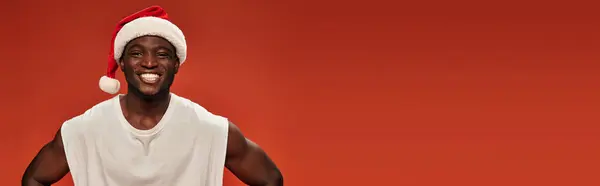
149 136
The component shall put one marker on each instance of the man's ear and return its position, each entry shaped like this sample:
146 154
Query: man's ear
177 65
121 64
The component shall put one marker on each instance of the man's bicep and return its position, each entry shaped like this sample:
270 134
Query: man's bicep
236 144
49 165
247 161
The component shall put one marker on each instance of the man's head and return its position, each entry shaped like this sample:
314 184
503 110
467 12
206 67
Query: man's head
149 50
149 64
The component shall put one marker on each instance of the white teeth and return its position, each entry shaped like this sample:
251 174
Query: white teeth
149 78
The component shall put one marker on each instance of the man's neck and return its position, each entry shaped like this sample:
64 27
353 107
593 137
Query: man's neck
146 106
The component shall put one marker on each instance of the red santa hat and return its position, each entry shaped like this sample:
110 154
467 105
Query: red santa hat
152 21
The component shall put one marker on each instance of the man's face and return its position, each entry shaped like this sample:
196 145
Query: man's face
150 64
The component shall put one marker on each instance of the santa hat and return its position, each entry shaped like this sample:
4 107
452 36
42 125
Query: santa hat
152 21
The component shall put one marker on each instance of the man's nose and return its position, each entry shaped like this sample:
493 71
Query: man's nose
149 62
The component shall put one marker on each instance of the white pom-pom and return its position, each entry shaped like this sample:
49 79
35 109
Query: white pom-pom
109 85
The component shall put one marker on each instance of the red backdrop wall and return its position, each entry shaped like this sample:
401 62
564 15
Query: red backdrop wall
341 93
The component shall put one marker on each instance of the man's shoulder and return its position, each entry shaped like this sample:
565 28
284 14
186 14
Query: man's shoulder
97 111
189 105
200 113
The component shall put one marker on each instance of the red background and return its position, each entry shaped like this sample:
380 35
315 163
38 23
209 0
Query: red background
341 93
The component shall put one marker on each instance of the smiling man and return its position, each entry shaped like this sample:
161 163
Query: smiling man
149 136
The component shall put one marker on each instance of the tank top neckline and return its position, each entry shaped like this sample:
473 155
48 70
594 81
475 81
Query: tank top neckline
149 132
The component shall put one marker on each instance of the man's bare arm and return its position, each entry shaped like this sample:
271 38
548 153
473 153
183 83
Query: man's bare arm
248 162
48 166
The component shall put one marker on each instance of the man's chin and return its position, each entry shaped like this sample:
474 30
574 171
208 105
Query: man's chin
148 92
152 92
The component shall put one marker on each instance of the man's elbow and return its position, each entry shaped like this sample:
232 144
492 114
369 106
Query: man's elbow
276 179
29 181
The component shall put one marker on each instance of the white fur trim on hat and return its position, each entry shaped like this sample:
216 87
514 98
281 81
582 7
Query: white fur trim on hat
153 26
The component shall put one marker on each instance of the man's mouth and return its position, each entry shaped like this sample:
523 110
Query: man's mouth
149 78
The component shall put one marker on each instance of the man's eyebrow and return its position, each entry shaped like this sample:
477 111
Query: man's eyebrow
165 48
132 46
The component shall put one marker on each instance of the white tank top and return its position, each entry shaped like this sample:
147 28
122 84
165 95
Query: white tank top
187 147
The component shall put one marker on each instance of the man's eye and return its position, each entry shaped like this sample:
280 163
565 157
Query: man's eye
163 55
136 54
